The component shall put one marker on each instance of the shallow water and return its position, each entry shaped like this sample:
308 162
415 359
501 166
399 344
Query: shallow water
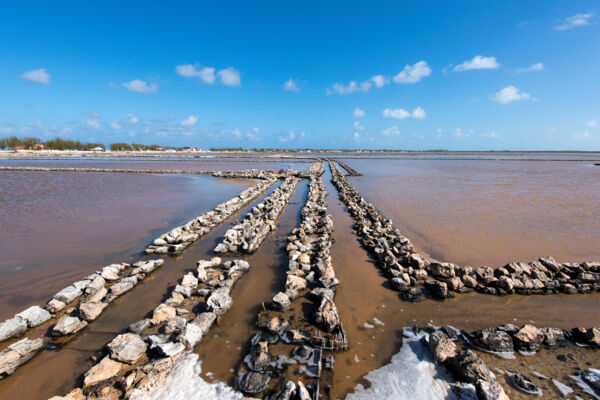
58 227
488 212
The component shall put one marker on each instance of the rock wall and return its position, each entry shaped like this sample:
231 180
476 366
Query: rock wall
409 271
248 235
137 363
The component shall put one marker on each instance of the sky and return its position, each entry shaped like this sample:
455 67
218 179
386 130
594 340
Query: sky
467 75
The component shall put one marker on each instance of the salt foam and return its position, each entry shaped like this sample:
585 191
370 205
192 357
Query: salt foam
184 382
412 374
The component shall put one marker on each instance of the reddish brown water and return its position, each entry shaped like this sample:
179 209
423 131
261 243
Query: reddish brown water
487 212
57 372
58 227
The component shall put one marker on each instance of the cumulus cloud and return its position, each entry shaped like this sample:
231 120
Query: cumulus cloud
230 77
409 74
39 76
190 121
380 81
358 113
290 137
419 113
358 126
593 124
581 136
351 87
115 126
510 94
478 62
413 73
290 85
92 124
398 113
204 74
574 21
393 131
459 133
131 119
532 68
140 86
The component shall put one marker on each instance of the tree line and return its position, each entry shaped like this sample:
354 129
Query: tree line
53 144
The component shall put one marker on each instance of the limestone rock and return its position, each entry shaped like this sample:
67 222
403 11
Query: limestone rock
327 315
438 290
55 305
469 367
91 311
219 302
68 325
204 321
163 313
253 382
493 340
281 301
127 348
68 294
528 338
34 315
13 327
441 347
103 371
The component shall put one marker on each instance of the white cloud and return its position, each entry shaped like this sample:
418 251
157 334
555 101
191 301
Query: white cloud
6 130
92 124
358 126
459 133
290 85
398 113
36 76
290 137
510 94
131 119
205 74
393 131
351 87
533 67
230 77
380 81
593 124
190 121
574 21
358 113
419 113
478 62
413 73
140 86
115 126
581 136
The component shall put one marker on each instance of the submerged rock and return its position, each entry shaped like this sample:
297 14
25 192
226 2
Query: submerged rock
253 382
525 384
18 353
91 311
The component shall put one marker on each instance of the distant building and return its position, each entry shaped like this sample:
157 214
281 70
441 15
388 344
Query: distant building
156 147
20 147
98 148
39 146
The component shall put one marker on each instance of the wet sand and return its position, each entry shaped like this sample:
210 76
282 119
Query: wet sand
488 212
61 226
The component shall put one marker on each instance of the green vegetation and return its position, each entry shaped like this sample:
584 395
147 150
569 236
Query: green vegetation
53 144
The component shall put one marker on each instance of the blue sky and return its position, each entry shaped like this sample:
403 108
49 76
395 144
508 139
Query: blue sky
468 75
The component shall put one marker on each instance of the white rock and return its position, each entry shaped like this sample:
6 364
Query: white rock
68 294
34 315
127 348
68 325
55 305
13 327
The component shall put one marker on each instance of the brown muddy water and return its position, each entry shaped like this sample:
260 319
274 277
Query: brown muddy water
462 211
58 227
488 212
57 372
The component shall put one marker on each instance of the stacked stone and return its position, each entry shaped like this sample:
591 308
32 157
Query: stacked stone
95 293
351 171
246 174
176 240
139 361
467 366
406 269
248 235
282 371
